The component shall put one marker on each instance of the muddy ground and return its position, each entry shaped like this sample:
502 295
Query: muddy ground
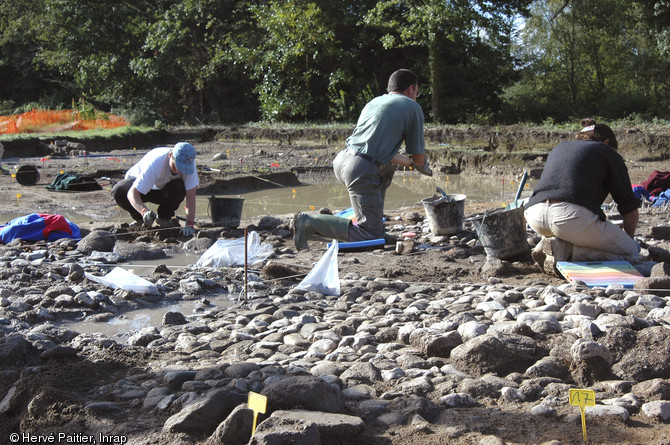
307 162
238 161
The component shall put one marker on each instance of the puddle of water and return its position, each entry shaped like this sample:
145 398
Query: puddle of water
176 260
121 327
406 189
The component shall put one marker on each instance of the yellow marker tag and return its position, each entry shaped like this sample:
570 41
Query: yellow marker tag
582 398
18 199
13 176
312 207
61 172
293 190
257 403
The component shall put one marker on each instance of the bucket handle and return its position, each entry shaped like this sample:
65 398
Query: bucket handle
209 206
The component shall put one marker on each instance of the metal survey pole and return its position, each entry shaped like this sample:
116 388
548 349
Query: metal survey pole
246 278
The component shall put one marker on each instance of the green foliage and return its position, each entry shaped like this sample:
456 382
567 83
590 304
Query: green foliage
292 59
466 50
609 61
160 62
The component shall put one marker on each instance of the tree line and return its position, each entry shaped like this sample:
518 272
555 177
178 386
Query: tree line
227 61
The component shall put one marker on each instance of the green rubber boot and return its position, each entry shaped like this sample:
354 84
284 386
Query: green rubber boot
329 226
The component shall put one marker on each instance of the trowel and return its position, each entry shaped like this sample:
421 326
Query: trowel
518 202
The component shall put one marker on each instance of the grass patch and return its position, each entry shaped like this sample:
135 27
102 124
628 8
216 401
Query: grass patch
112 133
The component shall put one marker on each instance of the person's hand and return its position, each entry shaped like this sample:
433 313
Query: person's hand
423 169
149 217
187 231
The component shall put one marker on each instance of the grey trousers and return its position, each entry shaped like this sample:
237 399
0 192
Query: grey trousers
366 183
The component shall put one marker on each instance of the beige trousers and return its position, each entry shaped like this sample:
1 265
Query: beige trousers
592 238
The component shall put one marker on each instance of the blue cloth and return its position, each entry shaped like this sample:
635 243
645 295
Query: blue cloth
641 192
39 227
662 198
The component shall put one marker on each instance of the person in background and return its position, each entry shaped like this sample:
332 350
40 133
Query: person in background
565 207
164 176
2 152
367 165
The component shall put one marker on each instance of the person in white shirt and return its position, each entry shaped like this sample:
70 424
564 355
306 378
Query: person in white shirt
164 176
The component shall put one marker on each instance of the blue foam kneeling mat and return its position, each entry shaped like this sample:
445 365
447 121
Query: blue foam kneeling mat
361 245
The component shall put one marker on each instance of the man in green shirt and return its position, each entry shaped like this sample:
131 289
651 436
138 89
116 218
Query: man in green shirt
366 166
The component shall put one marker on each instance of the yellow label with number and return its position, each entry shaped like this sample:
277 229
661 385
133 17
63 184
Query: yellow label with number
582 397
257 402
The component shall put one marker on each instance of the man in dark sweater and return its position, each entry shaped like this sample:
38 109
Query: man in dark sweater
565 207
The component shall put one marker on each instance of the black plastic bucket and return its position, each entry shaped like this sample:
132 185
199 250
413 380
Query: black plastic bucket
502 233
27 175
225 212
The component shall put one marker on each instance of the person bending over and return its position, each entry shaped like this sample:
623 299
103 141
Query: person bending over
367 164
565 207
164 176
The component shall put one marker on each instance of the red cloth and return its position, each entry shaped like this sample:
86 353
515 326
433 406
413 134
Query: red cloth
657 183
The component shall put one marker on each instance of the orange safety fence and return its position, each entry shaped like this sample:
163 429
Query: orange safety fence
53 121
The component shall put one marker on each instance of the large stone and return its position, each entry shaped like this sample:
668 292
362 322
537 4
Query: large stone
655 285
96 241
365 372
14 350
660 232
654 389
659 254
138 251
408 407
203 415
241 370
174 379
549 367
434 343
306 391
499 353
658 408
661 269
236 429
333 428
583 350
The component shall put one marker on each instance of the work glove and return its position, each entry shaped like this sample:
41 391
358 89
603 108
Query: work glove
187 231
423 169
149 217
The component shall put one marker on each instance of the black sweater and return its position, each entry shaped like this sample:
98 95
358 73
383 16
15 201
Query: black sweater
584 173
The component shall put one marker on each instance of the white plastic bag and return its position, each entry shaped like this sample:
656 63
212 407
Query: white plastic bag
224 253
324 277
120 278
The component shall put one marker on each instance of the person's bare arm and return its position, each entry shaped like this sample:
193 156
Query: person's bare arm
406 161
401 160
630 221
419 158
190 206
136 201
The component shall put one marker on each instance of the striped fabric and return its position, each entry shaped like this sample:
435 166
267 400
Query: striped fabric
600 273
